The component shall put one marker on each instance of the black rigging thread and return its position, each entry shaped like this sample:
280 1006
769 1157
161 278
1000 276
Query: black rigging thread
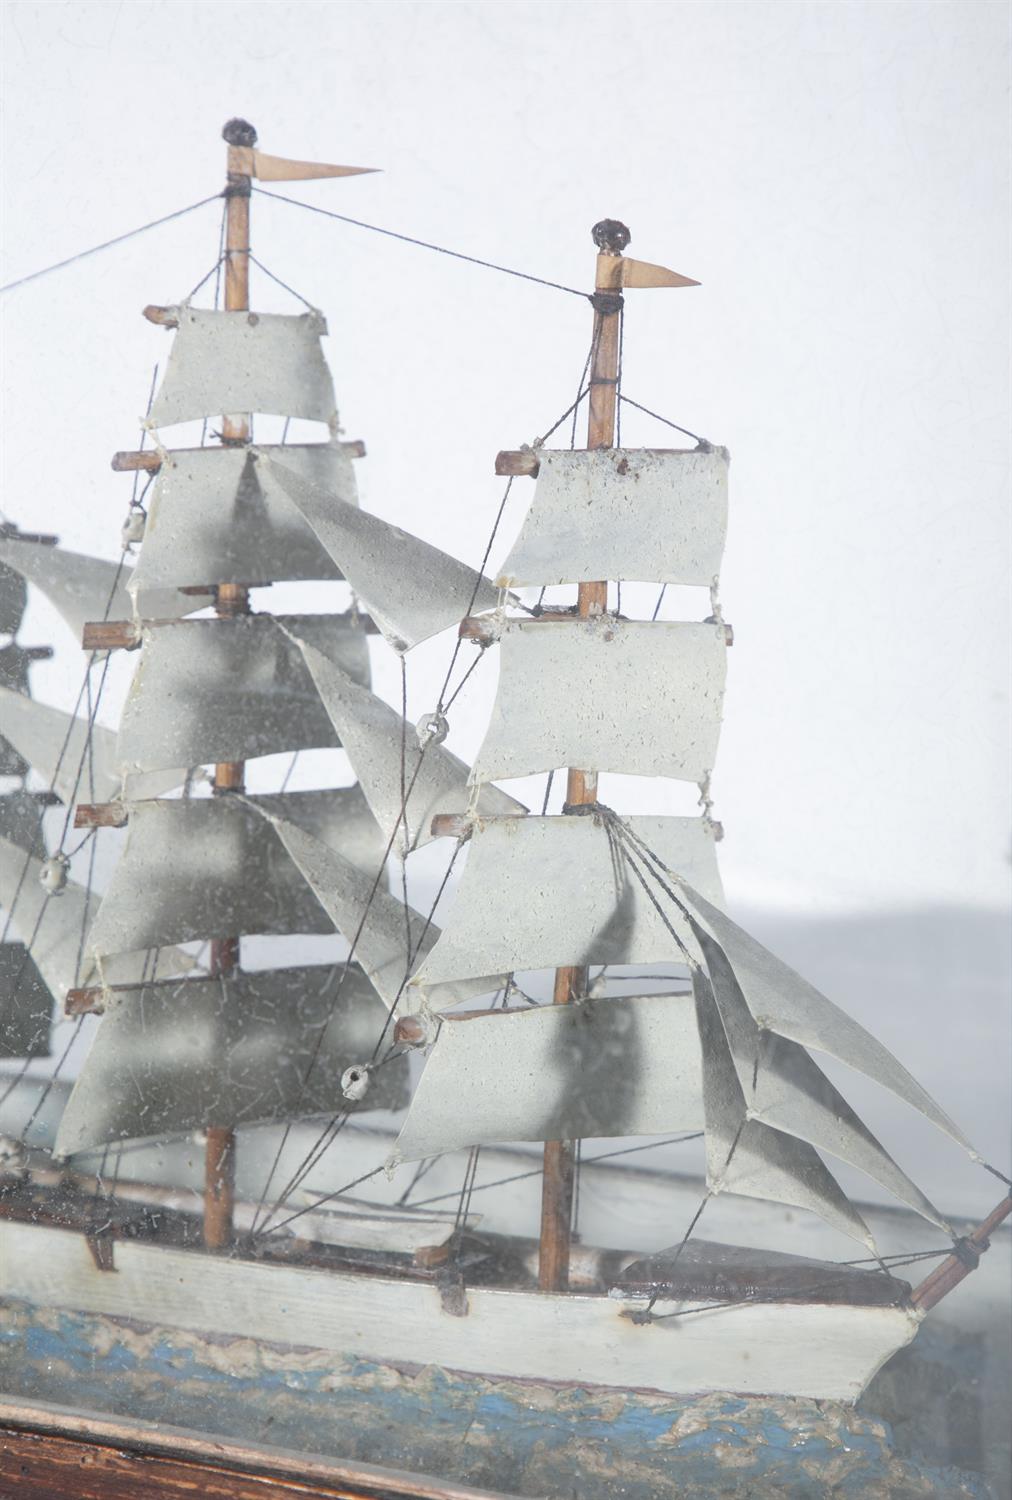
283 284
675 1140
408 239
628 401
108 244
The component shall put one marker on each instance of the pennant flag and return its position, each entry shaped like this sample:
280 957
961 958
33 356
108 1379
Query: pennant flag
617 271
253 163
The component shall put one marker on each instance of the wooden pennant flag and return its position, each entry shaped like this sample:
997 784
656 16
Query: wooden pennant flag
249 162
617 271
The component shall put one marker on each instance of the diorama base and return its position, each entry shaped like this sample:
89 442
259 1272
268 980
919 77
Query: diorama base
524 1438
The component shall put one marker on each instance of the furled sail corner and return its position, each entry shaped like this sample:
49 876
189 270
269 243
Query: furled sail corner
383 749
623 513
412 589
244 362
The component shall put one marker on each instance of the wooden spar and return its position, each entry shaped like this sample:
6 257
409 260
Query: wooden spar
230 599
611 239
955 1268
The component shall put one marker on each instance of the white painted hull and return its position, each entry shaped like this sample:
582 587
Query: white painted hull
791 1349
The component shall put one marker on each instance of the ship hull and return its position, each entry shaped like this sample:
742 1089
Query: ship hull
789 1348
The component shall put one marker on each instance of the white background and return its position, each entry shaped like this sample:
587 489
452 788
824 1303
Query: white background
836 177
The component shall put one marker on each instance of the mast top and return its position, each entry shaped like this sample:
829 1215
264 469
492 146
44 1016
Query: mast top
610 236
238 132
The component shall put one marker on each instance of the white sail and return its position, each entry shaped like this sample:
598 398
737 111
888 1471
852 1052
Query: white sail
202 867
244 362
387 758
56 744
623 513
539 893
785 1088
781 1001
54 927
412 590
385 936
634 696
225 690
746 1157
622 1066
217 515
83 588
171 1057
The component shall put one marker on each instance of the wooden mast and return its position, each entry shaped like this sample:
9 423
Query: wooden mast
230 599
611 238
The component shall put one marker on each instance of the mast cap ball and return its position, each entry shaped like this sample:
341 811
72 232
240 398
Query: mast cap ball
610 236
239 133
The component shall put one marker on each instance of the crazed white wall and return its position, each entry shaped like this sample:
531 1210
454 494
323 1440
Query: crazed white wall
835 176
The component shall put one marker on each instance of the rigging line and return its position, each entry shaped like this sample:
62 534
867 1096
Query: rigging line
17 1077
675 1140
582 387
52 1079
408 239
206 277
323 1028
312 1207
291 768
618 376
424 1166
474 591
541 441
107 244
660 601
284 284
453 696
217 299
338 1121
548 792
658 418
466 1188
402 820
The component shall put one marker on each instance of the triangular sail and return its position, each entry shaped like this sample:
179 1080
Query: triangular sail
784 1088
379 928
244 362
649 702
240 1050
749 1158
623 1066
81 588
540 893
193 869
623 513
217 515
54 927
781 1001
226 690
385 755
412 590
77 764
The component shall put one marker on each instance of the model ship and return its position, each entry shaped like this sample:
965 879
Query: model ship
191 1040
